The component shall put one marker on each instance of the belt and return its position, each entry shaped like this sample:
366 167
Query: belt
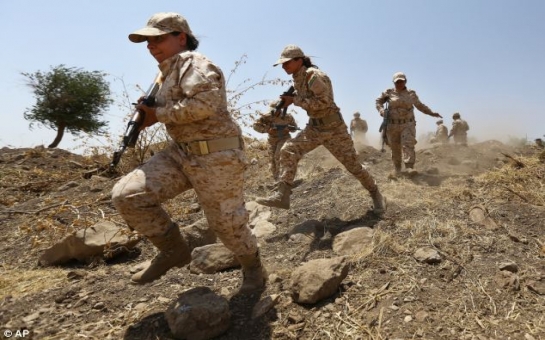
336 117
204 147
400 121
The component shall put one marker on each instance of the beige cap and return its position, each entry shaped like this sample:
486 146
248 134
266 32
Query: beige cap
399 76
159 24
289 52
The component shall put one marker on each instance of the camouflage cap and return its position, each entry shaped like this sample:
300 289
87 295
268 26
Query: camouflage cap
356 114
440 121
456 115
289 52
159 24
399 76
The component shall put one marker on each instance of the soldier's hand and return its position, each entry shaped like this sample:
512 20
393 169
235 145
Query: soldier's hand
435 114
149 115
288 100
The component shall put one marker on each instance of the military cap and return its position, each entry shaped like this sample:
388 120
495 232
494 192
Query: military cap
159 24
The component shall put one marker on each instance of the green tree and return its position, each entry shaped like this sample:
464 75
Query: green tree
69 99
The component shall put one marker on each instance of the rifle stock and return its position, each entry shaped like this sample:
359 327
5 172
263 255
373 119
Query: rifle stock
133 126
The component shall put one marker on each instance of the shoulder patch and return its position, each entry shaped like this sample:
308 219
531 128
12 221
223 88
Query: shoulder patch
311 77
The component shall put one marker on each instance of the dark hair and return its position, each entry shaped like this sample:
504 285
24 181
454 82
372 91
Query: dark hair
192 42
307 62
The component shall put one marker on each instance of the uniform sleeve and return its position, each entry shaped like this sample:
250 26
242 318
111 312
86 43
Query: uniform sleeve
262 125
198 95
291 120
320 94
364 125
419 105
455 127
379 102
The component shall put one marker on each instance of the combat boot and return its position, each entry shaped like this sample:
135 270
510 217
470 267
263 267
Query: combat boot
379 202
280 199
254 274
396 173
173 252
410 169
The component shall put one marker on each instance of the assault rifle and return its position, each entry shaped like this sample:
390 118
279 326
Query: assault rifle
384 127
281 127
280 105
133 127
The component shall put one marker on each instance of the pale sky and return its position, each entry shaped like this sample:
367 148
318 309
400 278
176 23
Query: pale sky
482 58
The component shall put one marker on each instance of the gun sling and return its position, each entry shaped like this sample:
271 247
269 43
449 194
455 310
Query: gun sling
204 147
336 117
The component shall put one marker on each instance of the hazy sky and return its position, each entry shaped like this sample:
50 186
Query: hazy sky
482 58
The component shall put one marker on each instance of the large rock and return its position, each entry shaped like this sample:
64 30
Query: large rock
103 239
198 234
212 258
198 314
318 279
354 241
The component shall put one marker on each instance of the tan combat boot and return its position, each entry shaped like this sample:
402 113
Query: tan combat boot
396 173
254 274
379 202
410 169
173 252
280 199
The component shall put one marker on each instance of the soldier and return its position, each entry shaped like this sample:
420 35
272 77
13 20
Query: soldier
314 93
205 154
441 134
401 128
358 128
459 130
278 125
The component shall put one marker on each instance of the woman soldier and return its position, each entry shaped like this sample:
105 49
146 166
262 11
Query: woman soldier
314 94
206 155
401 128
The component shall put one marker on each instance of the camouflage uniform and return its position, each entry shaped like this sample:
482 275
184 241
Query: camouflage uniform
358 128
459 130
192 104
441 134
278 127
314 93
401 130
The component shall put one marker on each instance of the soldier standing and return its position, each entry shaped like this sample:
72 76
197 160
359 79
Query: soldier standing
441 134
401 128
358 128
278 126
314 94
459 130
206 155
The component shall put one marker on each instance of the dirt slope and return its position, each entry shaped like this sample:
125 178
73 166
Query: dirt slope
387 294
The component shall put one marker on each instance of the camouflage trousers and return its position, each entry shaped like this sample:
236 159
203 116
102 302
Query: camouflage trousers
460 139
335 138
275 145
402 140
217 179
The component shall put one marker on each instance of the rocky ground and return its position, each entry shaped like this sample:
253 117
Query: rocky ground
486 279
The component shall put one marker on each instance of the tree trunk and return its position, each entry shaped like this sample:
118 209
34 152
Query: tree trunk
60 134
